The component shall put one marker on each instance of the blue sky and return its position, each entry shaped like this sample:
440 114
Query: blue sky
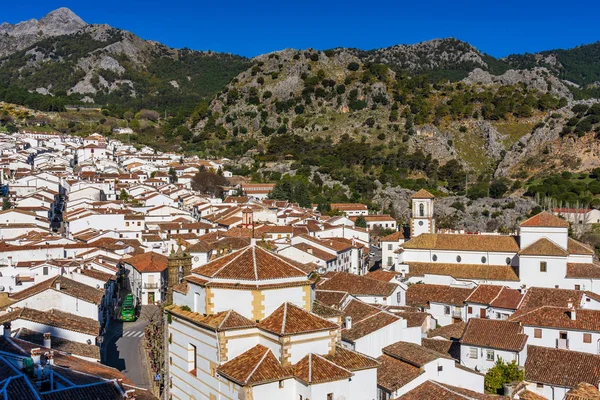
250 28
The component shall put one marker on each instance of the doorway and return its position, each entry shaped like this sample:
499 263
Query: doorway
150 298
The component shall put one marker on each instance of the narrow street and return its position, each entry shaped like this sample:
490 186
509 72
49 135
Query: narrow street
124 348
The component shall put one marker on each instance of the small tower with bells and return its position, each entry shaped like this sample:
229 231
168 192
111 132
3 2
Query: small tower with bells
179 264
422 213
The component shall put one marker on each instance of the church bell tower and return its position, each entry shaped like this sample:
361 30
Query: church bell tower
179 264
422 213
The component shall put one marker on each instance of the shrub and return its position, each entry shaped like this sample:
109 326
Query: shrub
353 66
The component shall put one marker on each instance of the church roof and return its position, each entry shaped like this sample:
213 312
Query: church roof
252 263
544 247
439 241
546 220
290 319
422 194
256 366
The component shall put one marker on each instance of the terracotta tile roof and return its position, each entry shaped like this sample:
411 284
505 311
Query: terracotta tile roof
495 334
351 360
290 319
382 275
423 294
256 366
250 286
392 374
394 237
465 271
432 390
223 321
313 369
546 220
443 346
484 294
575 247
252 263
60 344
316 252
412 353
544 247
331 298
560 317
561 367
585 271
508 299
357 285
539 297
583 391
422 194
55 318
496 296
148 262
368 325
325 311
67 286
452 332
441 241
348 206
413 319
529 395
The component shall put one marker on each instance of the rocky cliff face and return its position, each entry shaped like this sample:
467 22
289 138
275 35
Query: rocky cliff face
426 56
538 78
15 37
458 212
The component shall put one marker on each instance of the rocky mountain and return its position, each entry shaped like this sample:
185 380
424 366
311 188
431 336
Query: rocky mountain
579 65
450 58
62 57
23 34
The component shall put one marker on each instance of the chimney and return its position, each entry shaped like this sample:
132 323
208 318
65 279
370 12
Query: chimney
7 332
57 285
48 340
348 322
36 355
570 303
309 250
50 357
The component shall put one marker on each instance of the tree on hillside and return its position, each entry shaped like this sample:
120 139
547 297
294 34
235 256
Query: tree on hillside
208 182
294 189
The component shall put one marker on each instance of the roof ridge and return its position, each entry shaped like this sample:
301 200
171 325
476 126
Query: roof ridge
225 319
498 295
309 367
451 391
229 262
283 320
254 262
331 362
267 350
283 260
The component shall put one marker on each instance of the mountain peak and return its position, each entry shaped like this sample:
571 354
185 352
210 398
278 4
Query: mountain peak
60 22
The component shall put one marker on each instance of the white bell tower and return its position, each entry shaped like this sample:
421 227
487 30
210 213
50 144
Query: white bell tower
422 213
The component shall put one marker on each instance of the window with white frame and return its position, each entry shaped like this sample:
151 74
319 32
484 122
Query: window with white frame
489 355
473 352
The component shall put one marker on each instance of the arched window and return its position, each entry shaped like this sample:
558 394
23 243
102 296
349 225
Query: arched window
421 210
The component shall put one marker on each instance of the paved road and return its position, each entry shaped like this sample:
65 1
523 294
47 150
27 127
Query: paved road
375 261
124 347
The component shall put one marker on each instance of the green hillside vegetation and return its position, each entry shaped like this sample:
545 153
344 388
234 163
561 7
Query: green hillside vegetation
199 75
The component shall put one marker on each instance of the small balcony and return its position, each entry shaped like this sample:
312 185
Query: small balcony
562 344
150 285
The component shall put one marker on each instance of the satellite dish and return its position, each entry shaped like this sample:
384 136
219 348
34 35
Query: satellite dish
8 309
